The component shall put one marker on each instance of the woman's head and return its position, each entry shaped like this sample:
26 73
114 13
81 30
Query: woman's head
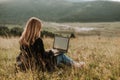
31 31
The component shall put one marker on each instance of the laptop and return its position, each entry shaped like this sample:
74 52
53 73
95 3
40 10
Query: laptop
60 45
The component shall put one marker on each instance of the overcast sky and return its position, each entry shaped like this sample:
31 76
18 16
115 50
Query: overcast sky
92 0
72 0
4 0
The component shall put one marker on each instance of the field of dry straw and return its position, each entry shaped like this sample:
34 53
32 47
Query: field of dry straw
101 55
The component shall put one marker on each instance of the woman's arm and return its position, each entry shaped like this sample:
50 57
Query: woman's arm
39 47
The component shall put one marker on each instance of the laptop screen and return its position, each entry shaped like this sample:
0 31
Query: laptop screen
61 43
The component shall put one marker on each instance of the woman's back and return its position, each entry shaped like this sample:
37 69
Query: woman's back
32 55
35 49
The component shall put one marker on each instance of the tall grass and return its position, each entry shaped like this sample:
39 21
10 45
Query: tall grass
102 57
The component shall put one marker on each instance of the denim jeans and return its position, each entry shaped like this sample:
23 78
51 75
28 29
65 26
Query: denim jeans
62 58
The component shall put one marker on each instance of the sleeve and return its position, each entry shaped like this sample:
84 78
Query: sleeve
40 46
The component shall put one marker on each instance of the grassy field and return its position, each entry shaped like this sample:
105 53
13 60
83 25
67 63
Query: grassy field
101 54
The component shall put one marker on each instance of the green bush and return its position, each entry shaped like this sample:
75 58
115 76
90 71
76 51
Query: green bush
16 31
4 31
72 35
47 34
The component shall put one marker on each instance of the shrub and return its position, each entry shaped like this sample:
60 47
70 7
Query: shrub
72 35
4 31
16 31
47 34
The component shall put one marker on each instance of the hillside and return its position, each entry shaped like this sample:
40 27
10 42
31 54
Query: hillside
16 11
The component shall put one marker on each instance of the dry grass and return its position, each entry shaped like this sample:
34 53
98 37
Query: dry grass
102 57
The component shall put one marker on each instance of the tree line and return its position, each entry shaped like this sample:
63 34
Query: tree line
6 32
17 31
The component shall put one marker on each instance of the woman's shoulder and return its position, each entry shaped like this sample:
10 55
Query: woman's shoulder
38 40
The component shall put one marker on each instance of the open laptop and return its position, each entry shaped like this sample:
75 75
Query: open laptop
60 45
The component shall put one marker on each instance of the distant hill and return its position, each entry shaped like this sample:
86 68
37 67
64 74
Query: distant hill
18 11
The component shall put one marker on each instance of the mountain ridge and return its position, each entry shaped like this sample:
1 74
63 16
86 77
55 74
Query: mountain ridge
59 11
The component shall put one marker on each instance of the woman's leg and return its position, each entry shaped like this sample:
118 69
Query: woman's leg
62 58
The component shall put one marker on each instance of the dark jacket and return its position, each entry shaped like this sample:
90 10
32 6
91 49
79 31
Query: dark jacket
34 50
35 57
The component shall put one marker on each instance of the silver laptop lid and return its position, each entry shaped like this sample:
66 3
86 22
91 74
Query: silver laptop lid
61 43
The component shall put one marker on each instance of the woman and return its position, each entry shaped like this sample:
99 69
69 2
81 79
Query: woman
32 49
31 46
